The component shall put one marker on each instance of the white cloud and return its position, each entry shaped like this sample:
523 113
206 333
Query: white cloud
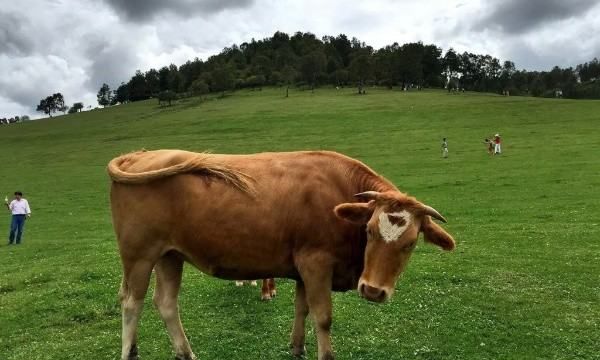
34 77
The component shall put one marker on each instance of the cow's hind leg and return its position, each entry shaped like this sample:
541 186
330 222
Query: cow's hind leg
272 288
268 290
168 271
136 277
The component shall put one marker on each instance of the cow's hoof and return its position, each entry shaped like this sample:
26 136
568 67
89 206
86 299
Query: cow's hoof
185 357
253 283
133 353
327 356
299 351
239 283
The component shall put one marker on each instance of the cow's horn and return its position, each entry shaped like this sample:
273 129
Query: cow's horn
368 195
433 213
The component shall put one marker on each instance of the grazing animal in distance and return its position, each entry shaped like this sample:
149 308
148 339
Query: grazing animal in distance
243 282
267 291
323 219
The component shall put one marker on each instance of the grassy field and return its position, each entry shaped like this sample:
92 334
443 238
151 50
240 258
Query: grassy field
523 283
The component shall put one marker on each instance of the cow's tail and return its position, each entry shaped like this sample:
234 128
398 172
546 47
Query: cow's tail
200 164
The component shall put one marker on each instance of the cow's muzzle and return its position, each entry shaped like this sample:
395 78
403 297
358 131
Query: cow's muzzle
372 293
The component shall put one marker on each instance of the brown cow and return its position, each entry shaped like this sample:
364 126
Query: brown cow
242 217
267 290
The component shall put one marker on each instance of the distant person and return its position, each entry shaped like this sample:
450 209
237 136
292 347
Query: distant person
490 146
497 145
444 148
20 210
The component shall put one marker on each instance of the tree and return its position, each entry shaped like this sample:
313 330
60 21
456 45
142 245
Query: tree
341 77
343 47
302 57
137 87
589 71
174 79
104 95
59 102
166 96
537 87
506 76
451 66
385 65
432 65
288 75
152 81
77 107
113 98
361 69
276 78
222 79
311 66
254 81
52 104
409 64
46 106
163 78
261 65
190 71
121 95
199 87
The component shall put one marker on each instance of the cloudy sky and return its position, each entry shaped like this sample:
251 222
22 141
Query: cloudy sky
73 46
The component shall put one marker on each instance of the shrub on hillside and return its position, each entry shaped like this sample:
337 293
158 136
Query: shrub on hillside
166 96
199 87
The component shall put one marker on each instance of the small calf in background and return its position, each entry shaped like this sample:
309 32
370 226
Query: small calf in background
268 290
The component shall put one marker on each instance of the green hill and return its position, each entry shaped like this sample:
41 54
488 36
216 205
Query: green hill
523 282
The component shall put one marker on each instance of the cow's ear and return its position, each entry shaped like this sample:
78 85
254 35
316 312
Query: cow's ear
357 213
434 234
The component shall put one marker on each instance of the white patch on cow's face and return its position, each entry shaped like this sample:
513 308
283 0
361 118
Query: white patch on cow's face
392 232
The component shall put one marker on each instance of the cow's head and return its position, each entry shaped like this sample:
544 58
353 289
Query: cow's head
393 222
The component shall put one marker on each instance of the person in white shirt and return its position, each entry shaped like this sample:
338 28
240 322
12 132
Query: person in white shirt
20 210
444 148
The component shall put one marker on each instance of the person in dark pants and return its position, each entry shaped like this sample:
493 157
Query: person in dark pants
20 210
444 148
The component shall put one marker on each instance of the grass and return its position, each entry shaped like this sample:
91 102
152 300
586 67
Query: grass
524 282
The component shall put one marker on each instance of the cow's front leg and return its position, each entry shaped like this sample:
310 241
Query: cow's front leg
317 276
298 331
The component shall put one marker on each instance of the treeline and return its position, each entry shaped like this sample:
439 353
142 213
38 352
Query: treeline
306 61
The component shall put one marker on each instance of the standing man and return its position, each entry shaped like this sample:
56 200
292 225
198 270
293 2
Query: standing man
497 146
20 210
444 148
